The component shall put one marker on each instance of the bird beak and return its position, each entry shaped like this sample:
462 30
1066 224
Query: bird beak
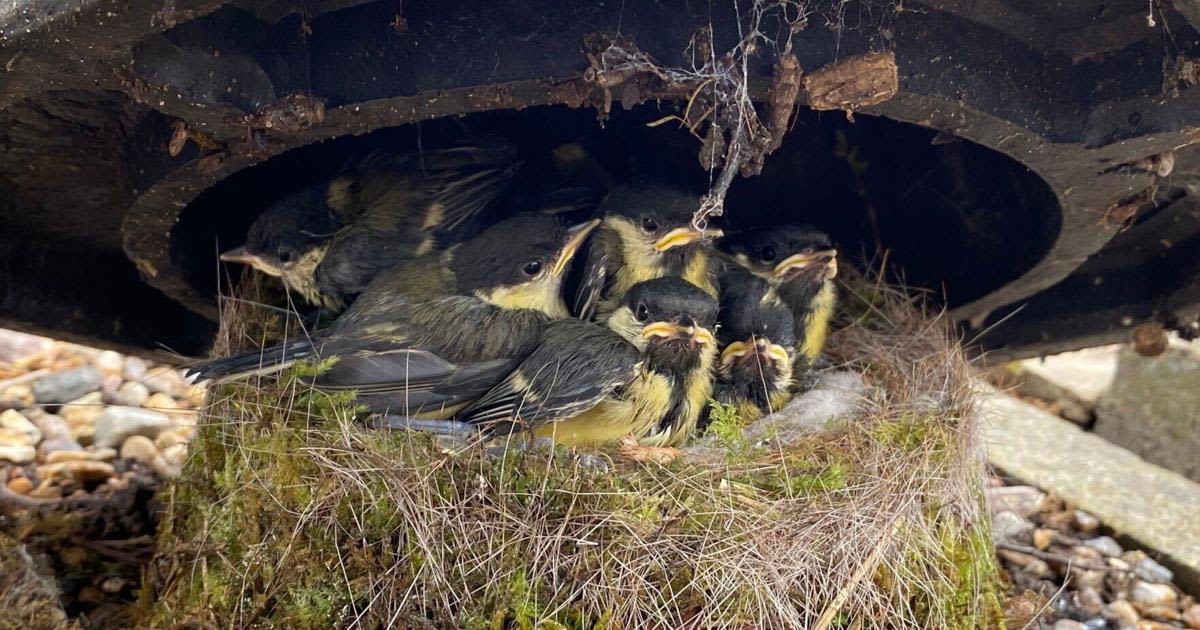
796 262
240 255
734 351
684 236
576 235
770 353
670 330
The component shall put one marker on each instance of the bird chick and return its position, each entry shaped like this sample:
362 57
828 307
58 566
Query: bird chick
427 358
378 211
646 233
796 265
647 373
758 346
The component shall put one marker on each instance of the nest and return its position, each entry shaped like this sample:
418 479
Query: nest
291 513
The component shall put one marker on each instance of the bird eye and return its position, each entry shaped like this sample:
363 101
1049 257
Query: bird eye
532 267
808 250
643 312
649 224
767 254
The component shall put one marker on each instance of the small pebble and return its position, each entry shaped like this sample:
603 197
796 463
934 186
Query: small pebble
109 387
160 402
1119 564
176 455
81 413
1085 553
52 426
9 437
1085 578
112 585
117 423
1096 623
178 435
1164 612
20 485
14 420
1191 617
1008 525
1152 594
1067 624
109 363
163 380
73 556
1085 522
19 454
1022 500
1147 624
16 397
51 447
62 387
132 394
164 468
139 448
1089 601
1105 545
1042 538
1122 611
1151 571
83 470
1039 569
134 370
46 490
196 394
91 455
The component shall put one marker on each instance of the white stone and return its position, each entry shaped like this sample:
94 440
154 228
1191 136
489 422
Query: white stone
20 454
109 363
116 424
14 420
135 369
132 394
139 448
1024 500
1152 594
1008 525
83 410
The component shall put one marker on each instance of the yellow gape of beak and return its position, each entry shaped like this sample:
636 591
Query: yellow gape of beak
697 334
684 236
800 261
576 235
778 354
240 255
734 350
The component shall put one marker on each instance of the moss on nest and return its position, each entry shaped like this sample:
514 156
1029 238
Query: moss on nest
292 514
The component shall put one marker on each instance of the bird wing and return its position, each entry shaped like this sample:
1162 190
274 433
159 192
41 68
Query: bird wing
574 367
603 255
411 380
461 192
402 356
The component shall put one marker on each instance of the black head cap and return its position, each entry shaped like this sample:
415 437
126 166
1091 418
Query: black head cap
672 299
768 246
511 252
655 208
292 226
743 316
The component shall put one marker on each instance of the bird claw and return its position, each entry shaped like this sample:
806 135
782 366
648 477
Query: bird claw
658 454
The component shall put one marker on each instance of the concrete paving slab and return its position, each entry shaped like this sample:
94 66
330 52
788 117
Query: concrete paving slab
1153 506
